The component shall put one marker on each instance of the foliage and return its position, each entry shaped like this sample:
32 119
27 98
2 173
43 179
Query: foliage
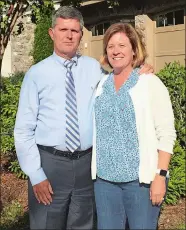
176 186
11 213
15 168
113 3
43 45
75 3
181 226
10 89
174 78
11 10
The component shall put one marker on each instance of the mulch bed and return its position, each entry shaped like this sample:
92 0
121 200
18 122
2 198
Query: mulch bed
13 189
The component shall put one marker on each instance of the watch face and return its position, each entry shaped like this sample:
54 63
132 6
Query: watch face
163 172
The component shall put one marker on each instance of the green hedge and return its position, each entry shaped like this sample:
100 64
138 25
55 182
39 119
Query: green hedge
173 76
43 45
10 88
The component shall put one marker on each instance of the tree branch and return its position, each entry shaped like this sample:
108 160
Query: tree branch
18 11
24 8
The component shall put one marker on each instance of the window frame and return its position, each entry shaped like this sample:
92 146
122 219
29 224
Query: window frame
111 22
174 20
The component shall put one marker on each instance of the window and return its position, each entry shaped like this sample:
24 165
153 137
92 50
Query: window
179 17
100 29
170 19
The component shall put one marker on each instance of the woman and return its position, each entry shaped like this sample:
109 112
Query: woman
133 137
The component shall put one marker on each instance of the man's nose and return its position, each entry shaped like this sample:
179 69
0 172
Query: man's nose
69 34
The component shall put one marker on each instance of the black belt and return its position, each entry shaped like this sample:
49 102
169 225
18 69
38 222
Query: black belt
73 156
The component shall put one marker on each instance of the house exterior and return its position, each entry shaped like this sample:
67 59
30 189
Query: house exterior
162 23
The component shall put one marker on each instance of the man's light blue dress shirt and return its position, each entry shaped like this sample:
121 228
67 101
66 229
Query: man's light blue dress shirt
41 112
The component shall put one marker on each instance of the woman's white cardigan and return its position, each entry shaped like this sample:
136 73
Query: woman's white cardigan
154 121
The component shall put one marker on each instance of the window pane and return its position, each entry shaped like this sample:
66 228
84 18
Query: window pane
169 19
100 29
106 26
179 17
160 21
93 31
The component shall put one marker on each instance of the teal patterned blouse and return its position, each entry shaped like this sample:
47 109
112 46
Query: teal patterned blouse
117 146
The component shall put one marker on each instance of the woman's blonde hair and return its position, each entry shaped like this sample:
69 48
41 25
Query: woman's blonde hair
135 39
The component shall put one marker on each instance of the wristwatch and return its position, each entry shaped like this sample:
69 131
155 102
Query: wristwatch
163 172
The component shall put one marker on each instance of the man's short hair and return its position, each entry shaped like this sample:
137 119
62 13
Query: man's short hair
67 12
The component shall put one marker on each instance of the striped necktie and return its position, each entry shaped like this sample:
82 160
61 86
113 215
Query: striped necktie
72 128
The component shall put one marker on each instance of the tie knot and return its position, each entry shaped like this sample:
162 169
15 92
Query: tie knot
68 64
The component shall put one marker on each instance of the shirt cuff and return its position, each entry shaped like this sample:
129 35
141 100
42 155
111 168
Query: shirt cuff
166 147
37 177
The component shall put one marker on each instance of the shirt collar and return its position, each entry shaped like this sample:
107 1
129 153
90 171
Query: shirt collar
61 60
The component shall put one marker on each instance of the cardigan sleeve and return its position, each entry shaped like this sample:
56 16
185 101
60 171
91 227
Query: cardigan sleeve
162 114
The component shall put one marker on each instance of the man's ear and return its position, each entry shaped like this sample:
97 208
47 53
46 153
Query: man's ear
51 33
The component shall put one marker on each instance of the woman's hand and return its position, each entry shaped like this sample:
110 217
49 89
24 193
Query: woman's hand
158 190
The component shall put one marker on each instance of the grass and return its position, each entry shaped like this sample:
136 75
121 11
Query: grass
181 226
13 217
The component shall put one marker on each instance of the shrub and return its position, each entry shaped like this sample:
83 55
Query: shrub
174 77
10 89
11 213
15 168
43 45
176 186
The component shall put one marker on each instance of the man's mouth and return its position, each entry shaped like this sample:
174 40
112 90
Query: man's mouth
68 43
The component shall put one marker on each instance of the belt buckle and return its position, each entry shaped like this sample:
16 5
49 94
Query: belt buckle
73 156
55 151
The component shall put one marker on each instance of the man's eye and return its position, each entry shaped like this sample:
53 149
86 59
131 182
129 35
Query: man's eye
63 30
74 31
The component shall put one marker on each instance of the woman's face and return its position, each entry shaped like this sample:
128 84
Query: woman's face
119 52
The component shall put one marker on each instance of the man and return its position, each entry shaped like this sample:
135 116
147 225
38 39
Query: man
53 130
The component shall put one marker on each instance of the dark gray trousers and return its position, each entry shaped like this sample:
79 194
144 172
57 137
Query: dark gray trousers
73 205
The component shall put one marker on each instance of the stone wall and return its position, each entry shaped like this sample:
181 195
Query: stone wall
140 26
22 45
146 26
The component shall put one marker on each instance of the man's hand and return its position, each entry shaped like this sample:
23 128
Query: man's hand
158 190
146 68
43 192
